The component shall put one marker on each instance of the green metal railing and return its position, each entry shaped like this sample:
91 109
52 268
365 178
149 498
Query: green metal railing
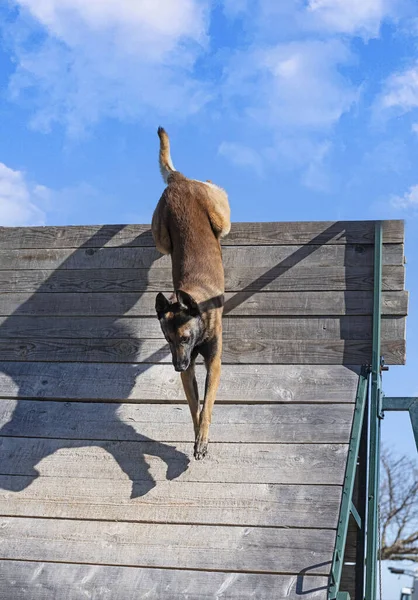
374 406
374 424
347 506
370 386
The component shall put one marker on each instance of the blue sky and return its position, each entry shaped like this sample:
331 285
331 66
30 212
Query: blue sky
301 109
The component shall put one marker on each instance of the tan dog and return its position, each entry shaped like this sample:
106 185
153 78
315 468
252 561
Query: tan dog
190 218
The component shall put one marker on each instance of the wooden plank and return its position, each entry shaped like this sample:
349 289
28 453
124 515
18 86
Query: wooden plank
171 422
52 581
253 549
297 278
97 236
245 383
233 257
235 351
171 502
146 463
282 304
246 328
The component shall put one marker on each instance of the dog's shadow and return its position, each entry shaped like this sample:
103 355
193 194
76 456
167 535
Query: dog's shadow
20 455
31 386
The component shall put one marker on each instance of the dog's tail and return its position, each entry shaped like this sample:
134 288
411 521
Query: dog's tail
166 164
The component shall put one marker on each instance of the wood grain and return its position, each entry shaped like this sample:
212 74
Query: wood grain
316 464
239 383
235 351
171 546
343 340
171 502
248 279
246 328
171 422
54 581
86 477
304 232
233 257
282 304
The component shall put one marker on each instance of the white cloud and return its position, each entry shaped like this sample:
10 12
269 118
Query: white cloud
293 79
401 91
320 17
241 156
295 85
108 58
296 91
355 17
408 200
415 127
18 199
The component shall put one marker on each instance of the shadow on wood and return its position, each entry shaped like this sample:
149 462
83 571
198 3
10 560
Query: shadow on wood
177 462
142 481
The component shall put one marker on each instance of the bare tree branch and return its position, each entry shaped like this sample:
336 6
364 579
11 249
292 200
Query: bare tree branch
399 508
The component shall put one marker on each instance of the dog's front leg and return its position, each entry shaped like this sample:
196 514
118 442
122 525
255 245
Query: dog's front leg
213 376
188 379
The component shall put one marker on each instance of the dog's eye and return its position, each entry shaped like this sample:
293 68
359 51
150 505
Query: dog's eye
184 340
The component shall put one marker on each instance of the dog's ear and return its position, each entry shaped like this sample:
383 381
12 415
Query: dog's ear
187 302
161 304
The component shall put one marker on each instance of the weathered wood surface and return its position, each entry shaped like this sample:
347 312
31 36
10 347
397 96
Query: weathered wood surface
130 304
54 581
171 502
235 351
244 328
343 340
253 549
320 464
239 383
304 232
298 278
86 477
232 256
303 423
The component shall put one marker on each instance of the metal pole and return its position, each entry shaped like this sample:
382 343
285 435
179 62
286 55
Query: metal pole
362 504
346 501
375 417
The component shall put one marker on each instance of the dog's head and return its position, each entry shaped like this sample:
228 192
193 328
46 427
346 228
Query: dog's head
182 325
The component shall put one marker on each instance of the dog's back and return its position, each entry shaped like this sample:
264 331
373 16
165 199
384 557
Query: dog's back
188 223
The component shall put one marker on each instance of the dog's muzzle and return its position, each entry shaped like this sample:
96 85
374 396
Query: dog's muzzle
183 366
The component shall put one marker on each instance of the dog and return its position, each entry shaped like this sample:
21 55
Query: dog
188 223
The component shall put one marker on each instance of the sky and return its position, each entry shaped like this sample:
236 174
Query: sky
300 109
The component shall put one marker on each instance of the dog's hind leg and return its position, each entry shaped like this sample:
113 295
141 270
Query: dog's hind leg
219 212
188 379
159 229
213 366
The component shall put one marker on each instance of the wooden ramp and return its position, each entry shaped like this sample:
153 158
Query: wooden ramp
100 497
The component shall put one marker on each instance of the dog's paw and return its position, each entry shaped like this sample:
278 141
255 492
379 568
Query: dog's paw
200 448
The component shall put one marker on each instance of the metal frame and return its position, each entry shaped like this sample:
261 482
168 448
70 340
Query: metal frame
375 415
371 436
371 413
347 506
409 404
375 411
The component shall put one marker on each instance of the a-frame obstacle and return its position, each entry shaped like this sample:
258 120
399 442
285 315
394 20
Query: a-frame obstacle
99 495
